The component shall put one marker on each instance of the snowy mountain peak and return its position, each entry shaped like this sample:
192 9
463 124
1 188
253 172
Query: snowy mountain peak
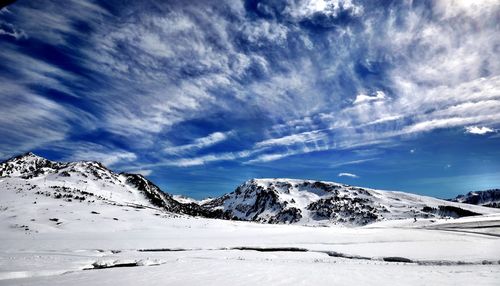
87 181
26 158
317 202
30 165
287 181
25 165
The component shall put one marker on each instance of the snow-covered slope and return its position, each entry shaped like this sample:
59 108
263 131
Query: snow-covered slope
66 223
313 202
83 183
488 198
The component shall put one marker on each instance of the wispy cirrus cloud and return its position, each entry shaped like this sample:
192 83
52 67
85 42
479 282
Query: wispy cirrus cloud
199 143
300 138
199 160
288 78
109 155
9 30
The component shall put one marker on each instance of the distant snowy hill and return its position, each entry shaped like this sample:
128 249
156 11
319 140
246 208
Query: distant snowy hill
312 202
487 198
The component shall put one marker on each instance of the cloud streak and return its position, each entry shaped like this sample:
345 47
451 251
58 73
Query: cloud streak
199 143
349 175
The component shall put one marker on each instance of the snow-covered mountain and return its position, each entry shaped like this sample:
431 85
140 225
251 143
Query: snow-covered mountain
487 198
313 202
83 182
89 187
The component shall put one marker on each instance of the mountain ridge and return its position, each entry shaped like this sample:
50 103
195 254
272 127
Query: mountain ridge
29 166
487 198
283 201
316 202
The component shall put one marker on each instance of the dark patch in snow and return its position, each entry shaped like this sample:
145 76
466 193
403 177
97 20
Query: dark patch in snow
97 265
348 256
163 249
271 249
397 259
450 211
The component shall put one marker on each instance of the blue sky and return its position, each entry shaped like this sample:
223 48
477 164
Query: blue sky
200 96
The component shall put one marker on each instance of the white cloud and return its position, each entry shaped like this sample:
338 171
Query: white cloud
301 138
432 124
383 120
363 98
478 130
293 88
201 160
108 157
200 143
350 175
277 155
269 157
307 8
265 30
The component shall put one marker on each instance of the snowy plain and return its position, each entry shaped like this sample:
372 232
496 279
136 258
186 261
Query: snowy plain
150 247
108 233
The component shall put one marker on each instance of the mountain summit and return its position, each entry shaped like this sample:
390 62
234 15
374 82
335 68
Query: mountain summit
84 181
314 202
